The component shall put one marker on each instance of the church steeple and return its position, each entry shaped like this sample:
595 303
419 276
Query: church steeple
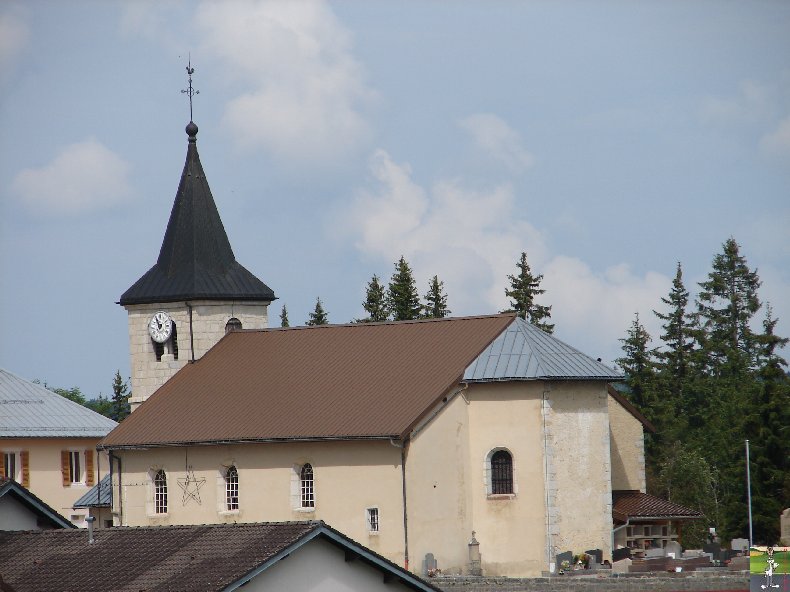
196 260
195 292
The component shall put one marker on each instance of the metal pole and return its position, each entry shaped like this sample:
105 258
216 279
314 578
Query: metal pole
749 493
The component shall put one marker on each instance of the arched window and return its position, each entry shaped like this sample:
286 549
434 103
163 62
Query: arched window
307 486
501 472
231 488
233 324
160 492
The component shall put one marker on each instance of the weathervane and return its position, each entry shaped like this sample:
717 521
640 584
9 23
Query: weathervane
190 92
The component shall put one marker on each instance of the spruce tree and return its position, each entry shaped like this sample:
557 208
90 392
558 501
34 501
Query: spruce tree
725 306
120 398
766 429
375 302
402 297
284 317
436 300
524 286
638 364
319 316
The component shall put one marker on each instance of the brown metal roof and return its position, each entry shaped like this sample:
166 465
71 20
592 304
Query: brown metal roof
331 381
635 505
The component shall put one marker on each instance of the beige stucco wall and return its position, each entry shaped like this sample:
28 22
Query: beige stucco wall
349 478
46 480
578 462
448 483
208 327
438 493
627 444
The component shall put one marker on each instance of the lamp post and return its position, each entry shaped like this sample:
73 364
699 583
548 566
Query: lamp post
749 493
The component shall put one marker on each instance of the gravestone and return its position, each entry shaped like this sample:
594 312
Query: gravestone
428 564
624 553
621 566
713 549
673 548
784 527
739 544
655 552
596 554
566 556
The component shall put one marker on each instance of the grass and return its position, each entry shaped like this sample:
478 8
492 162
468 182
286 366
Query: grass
757 562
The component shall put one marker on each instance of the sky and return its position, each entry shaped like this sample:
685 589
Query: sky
609 140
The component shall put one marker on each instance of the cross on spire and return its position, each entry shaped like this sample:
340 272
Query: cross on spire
190 92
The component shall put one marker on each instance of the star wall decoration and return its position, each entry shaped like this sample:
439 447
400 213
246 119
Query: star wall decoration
190 485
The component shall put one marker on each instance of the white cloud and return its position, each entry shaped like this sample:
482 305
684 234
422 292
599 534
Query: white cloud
498 140
752 102
472 240
778 140
14 35
83 176
302 90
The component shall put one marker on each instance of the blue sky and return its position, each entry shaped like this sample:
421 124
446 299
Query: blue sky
609 140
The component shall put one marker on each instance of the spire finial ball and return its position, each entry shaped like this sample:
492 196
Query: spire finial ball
192 129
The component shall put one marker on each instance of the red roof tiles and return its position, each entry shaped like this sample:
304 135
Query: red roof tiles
637 505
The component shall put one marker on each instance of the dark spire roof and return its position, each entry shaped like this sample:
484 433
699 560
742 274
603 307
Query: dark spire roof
196 260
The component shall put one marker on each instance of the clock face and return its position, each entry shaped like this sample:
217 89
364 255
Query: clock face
160 327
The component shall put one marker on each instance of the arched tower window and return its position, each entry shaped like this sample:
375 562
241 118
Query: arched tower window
232 488
160 492
233 324
501 470
307 486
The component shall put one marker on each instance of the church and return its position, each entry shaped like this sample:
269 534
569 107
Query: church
467 445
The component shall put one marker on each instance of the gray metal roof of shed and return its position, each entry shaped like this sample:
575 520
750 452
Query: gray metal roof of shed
98 496
28 410
524 352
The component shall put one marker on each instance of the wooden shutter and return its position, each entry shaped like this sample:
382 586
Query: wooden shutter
64 468
24 458
89 480
2 465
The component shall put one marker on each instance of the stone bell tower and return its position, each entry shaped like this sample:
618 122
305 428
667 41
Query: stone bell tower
195 293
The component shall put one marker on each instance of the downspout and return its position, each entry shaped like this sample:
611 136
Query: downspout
120 493
549 543
616 530
191 334
405 515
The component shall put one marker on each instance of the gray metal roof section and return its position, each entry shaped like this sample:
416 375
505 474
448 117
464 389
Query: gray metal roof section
28 410
524 352
98 496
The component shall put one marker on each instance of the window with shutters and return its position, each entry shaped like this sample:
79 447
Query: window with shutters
71 467
306 486
231 489
160 492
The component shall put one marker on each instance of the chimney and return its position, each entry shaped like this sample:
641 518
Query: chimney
90 520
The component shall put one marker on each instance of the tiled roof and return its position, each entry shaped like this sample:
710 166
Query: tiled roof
98 496
361 380
524 352
47 516
200 558
28 410
196 260
642 506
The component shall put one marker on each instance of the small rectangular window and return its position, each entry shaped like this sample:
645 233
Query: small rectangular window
373 519
10 465
75 471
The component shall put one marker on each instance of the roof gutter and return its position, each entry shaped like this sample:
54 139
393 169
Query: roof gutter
146 446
